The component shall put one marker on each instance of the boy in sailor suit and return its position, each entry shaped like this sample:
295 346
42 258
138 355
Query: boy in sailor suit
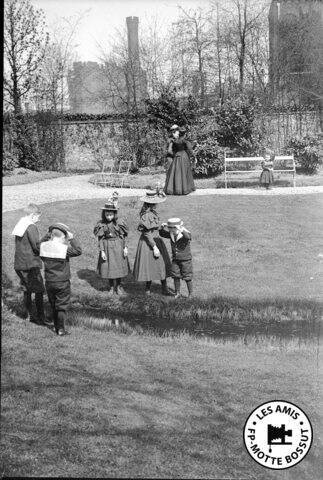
55 254
27 263
180 239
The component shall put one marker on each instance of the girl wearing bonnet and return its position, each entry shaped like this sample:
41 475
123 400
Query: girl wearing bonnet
152 261
113 252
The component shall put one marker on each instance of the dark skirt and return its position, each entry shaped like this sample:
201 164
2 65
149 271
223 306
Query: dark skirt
179 178
266 177
116 265
148 268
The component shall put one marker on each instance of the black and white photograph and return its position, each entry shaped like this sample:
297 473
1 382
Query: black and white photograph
162 239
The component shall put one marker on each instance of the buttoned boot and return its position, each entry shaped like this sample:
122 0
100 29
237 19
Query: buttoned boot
27 305
177 286
165 290
147 289
189 284
39 300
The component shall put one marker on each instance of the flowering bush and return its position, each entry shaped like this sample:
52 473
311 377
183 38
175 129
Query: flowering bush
306 152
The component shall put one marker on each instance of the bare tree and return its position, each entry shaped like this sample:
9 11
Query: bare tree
25 43
114 61
192 40
155 56
243 19
51 91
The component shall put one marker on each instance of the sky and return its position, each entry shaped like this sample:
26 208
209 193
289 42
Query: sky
101 17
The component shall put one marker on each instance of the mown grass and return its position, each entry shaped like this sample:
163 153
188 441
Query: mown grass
116 400
256 262
111 405
31 177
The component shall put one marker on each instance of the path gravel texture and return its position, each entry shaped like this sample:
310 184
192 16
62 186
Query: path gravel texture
78 187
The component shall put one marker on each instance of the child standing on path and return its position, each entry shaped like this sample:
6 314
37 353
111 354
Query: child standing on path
152 261
113 261
56 254
180 239
27 262
267 177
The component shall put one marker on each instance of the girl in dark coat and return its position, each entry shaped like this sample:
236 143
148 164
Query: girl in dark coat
152 261
179 177
113 261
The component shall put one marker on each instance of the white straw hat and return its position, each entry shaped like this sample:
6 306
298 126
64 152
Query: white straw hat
174 222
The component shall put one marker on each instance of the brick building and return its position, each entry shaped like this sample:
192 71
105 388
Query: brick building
296 50
109 88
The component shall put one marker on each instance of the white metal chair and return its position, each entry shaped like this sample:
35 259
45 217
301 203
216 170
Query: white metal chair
113 174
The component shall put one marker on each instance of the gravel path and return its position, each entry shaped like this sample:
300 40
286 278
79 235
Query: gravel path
78 187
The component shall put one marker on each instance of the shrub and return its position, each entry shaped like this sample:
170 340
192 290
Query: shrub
167 109
208 153
236 128
9 162
36 140
306 153
209 158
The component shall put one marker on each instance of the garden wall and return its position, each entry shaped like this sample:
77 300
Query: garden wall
277 127
77 155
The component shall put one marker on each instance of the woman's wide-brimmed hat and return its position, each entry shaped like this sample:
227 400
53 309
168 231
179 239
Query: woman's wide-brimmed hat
174 222
59 226
154 196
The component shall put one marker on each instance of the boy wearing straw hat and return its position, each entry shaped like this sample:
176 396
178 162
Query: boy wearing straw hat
55 254
180 239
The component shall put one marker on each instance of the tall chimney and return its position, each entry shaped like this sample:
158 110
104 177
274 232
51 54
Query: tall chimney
133 40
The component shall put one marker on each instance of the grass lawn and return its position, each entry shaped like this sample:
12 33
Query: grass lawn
256 260
112 405
31 177
122 401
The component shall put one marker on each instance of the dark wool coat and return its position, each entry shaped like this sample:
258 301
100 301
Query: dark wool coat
181 249
57 269
27 249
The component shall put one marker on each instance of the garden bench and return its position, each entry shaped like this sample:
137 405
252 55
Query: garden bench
114 174
278 163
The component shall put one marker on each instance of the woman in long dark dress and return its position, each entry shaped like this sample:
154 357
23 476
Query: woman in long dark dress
152 261
179 178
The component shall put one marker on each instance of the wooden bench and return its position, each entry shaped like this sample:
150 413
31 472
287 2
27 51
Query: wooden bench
113 174
278 162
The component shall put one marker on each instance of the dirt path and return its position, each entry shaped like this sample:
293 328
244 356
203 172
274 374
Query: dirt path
78 187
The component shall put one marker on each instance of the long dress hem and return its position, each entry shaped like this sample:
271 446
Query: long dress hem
179 178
